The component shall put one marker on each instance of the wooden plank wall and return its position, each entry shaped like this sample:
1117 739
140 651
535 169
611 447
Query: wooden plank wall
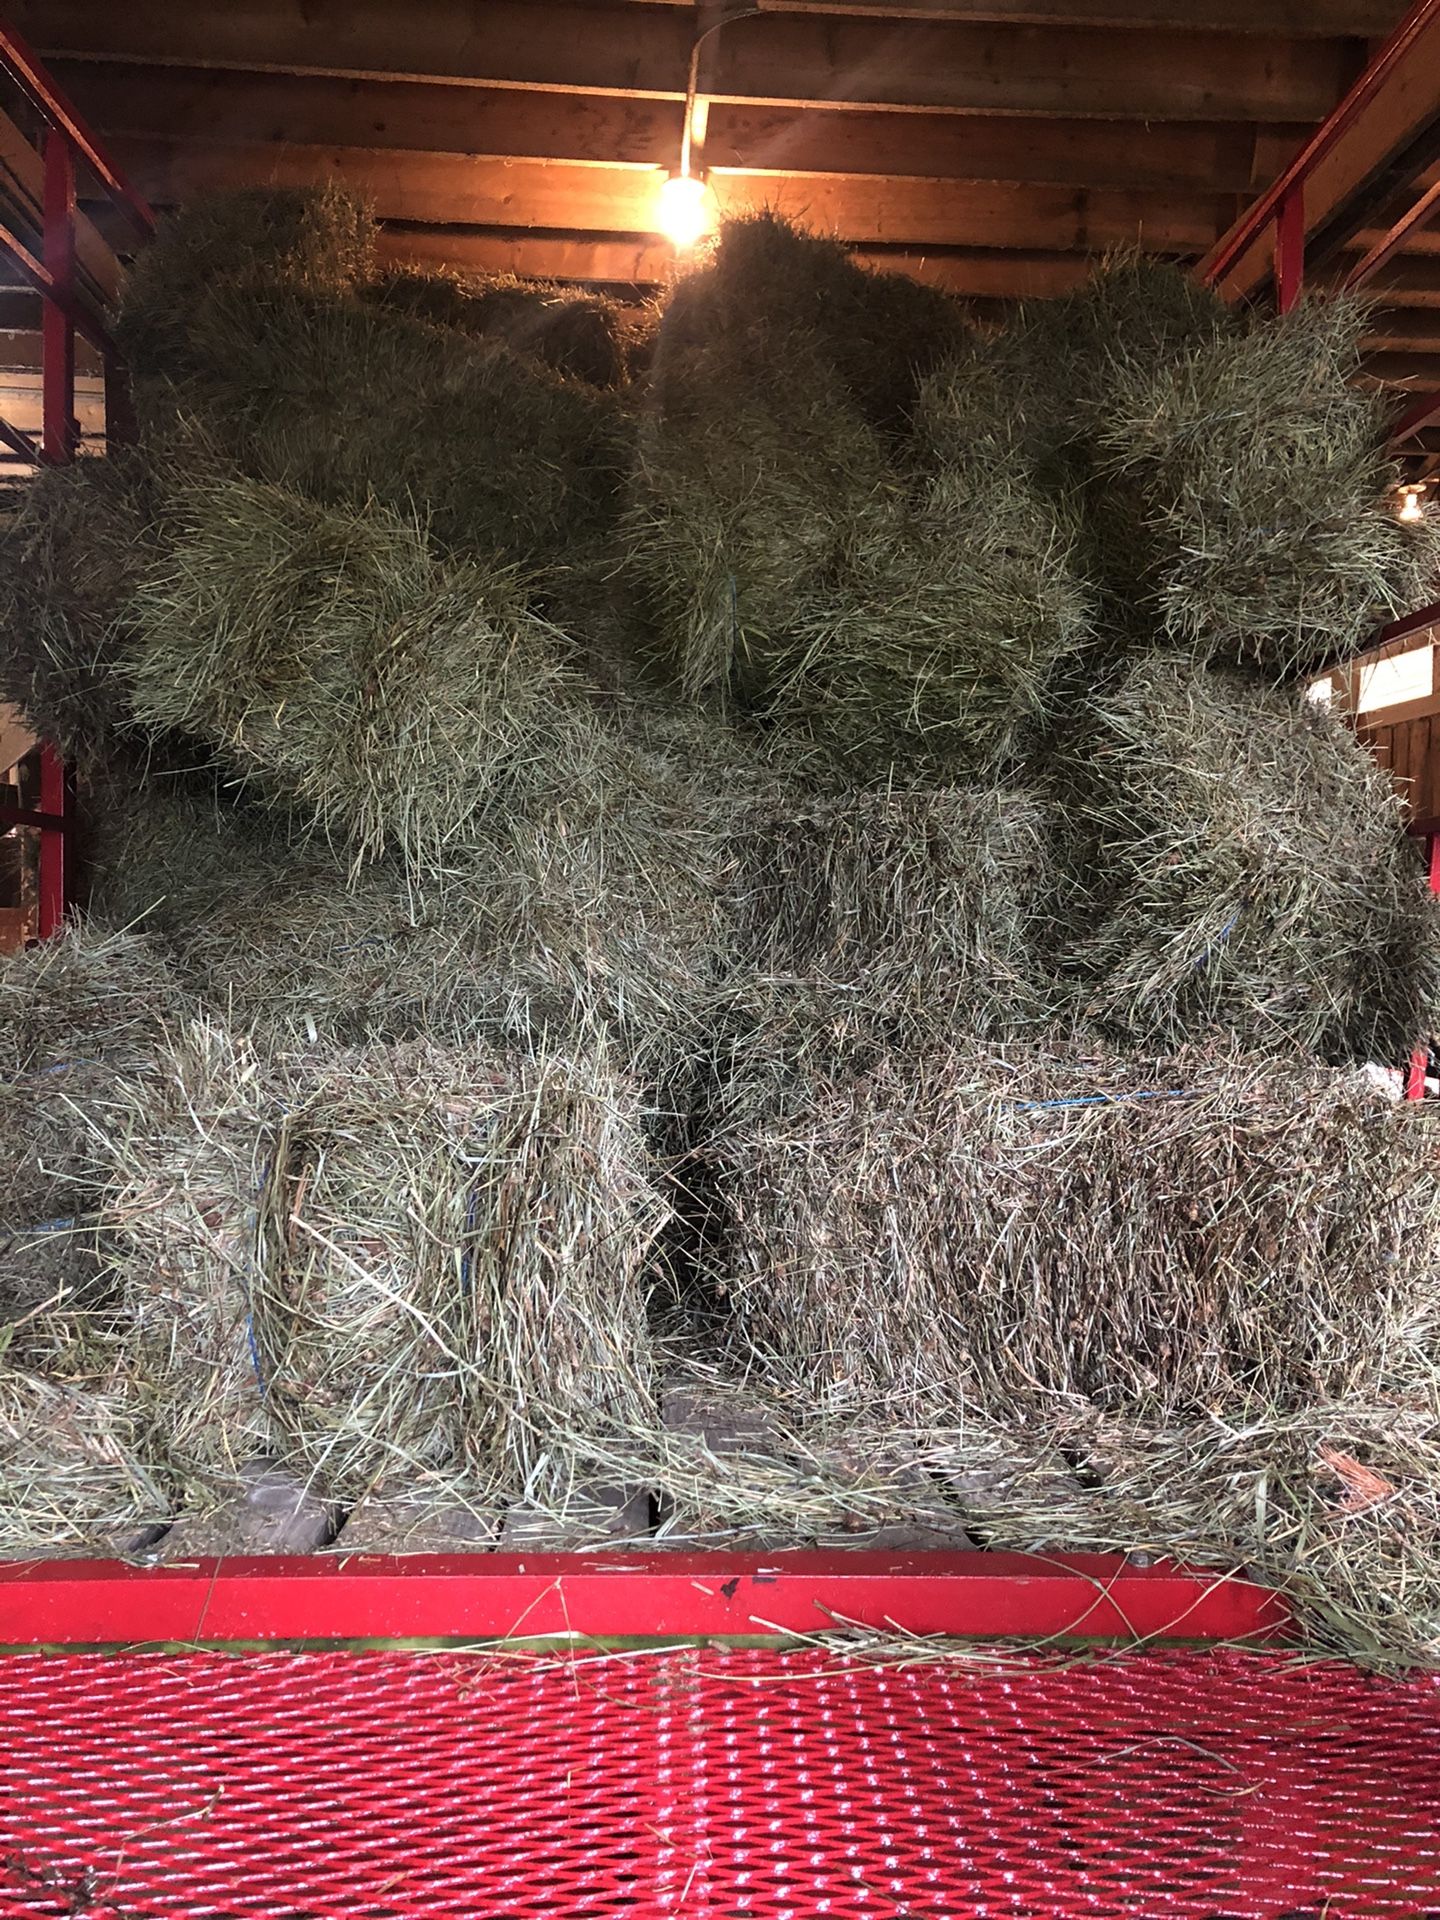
1410 751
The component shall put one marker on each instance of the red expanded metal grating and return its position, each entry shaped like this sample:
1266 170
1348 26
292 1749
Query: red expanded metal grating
709 1784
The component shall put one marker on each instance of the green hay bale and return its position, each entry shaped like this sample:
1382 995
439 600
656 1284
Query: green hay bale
1262 493
891 617
346 402
1238 863
74 1013
332 660
382 1262
879 334
968 1234
313 239
912 912
574 333
602 904
68 563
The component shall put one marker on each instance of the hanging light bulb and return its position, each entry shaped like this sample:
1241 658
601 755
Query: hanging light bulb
1410 508
684 209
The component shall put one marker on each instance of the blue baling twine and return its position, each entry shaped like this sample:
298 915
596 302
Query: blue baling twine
1221 937
1100 1099
251 1339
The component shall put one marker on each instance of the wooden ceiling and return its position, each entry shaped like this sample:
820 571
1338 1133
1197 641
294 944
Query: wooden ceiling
994 147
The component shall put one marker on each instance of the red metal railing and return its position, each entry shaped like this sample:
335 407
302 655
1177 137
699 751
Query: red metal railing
65 312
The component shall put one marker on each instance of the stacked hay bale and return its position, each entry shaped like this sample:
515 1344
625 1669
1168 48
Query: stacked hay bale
381 1266
796 568
886 892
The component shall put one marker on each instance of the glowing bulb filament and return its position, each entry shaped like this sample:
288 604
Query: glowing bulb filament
684 213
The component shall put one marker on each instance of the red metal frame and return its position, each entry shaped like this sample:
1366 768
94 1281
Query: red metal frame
64 312
497 1596
1415 1075
1274 202
1290 247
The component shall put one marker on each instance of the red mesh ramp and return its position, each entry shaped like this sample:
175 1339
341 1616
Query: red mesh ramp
709 1784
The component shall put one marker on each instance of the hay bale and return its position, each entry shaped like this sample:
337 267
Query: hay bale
794 569
965 1234
313 239
601 905
879 334
1262 493
74 1481
348 402
1239 864
68 563
337 664
74 1014
574 333
381 1263
918 909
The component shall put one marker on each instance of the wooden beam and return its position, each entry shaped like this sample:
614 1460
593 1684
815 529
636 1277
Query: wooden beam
1419 372
1315 19
641 260
20 350
497 191
1408 282
317 110
1405 104
1404 330
780 58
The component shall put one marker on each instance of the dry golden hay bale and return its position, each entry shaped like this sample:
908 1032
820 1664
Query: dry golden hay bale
575 333
889 615
348 402
68 563
1239 863
74 1478
334 661
967 1233
315 239
383 1260
913 911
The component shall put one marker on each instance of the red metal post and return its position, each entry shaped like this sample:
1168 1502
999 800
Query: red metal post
1290 246
58 336
1419 1059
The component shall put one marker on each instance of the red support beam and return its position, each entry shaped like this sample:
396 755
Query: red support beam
1290 247
1395 241
495 1596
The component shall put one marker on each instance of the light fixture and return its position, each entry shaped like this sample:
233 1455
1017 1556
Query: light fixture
1410 508
684 210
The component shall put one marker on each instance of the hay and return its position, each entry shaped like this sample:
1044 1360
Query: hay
338 665
313 239
73 1014
1265 493
73 1481
574 333
794 569
915 908
382 1261
1239 865
878 334
1334 1504
959 1233
602 905
68 563
346 402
